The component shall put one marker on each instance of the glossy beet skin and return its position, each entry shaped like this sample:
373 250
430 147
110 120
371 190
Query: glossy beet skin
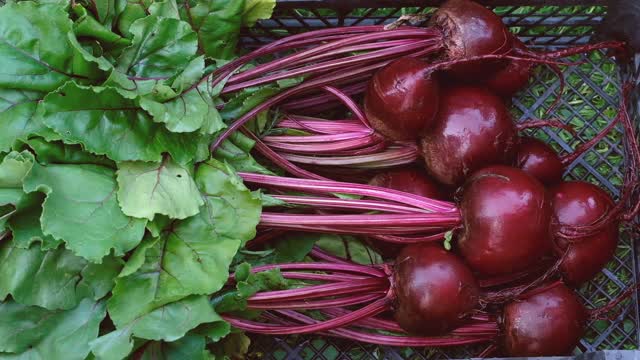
548 323
539 160
435 290
473 129
513 77
401 99
506 221
469 29
581 203
409 180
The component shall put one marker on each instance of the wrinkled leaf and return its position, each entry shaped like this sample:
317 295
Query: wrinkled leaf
188 258
13 168
25 224
190 347
56 152
54 279
87 26
34 52
229 206
217 24
87 218
167 188
35 333
106 123
161 47
190 111
169 322
165 8
17 110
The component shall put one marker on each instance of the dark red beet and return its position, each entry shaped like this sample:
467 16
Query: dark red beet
578 203
539 160
401 100
473 129
408 180
506 221
434 288
469 29
513 77
548 323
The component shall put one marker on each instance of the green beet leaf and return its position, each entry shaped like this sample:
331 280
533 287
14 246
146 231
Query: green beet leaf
25 224
255 10
167 188
217 24
190 111
233 210
13 168
17 110
188 258
169 322
34 52
161 47
54 279
236 151
190 347
105 122
57 152
34 333
81 208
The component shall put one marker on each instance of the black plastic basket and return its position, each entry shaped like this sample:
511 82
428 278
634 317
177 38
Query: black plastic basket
589 103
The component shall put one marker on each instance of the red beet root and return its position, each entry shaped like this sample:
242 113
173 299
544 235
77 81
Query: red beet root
401 100
435 290
469 29
473 129
547 323
408 180
507 216
539 160
513 77
577 203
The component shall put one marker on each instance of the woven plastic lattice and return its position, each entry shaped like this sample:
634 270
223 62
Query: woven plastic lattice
589 103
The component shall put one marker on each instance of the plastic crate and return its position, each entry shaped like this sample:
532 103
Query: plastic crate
589 103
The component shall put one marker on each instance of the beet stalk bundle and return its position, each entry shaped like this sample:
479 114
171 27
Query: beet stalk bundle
348 57
547 320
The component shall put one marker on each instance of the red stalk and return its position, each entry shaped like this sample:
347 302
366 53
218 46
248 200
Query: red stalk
372 309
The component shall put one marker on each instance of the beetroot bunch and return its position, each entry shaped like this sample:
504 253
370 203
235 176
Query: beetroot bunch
487 240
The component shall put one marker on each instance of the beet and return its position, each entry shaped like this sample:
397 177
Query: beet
435 290
473 129
401 100
577 203
408 180
506 221
469 29
539 160
547 323
514 76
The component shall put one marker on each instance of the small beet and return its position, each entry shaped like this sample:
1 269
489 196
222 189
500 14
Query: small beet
409 180
514 76
539 160
435 290
577 203
548 323
473 129
401 99
506 221
469 29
